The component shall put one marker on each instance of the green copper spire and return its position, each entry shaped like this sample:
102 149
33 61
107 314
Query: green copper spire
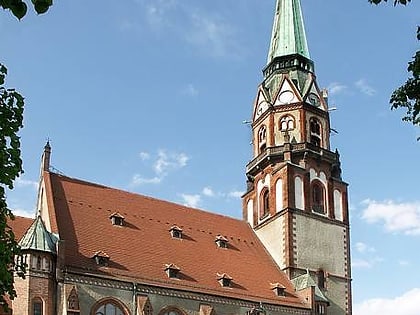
288 36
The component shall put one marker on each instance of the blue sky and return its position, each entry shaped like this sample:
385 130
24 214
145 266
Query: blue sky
149 96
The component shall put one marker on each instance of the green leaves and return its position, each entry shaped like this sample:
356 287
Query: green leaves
11 118
404 2
19 8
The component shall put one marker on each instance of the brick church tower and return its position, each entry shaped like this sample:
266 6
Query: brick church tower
296 200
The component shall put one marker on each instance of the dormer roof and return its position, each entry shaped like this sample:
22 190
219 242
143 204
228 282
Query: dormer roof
305 281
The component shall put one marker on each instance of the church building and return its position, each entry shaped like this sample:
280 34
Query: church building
96 250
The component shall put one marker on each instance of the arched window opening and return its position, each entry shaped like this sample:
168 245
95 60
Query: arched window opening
265 204
287 123
38 263
171 311
315 132
262 138
109 307
318 198
37 307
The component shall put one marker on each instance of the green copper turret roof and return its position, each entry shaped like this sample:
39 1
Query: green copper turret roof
288 36
38 238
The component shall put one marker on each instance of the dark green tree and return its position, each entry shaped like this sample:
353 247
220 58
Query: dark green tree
407 96
11 120
19 7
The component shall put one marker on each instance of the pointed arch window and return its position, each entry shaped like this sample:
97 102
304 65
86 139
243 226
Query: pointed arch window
262 138
287 123
109 307
318 197
315 132
264 203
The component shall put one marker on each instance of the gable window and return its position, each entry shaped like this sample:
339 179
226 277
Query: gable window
224 279
315 132
172 270
176 232
264 203
221 241
37 307
287 123
117 219
318 197
262 138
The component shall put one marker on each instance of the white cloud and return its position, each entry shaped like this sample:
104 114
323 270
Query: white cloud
139 180
169 161
23 213
364 87
190 90
157 13
235 194
212 35
336 88
396 217
404 263
144 155
207 191
363 248
365 263
191 200
21 182
163 164
406 304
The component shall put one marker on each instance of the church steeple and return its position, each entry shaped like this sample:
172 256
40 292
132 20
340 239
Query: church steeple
288 36
296 200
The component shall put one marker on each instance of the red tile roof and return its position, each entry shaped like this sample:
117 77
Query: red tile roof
19 226
142 248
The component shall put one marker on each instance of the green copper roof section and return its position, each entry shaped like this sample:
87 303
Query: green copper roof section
38 238
288 36
305 281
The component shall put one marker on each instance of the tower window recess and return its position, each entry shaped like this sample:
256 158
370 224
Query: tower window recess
278 289
221 241
264 203
321 279
262 138
315 132
37 307
117 219
287 123
224 279
176 232
172 270
101 258
318 198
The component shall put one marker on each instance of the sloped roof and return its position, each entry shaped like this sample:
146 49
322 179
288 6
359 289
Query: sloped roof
19 226
142 248
305 281
38 238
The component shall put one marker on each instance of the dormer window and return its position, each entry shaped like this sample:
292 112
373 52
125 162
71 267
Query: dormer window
176 232
221 241
117 219
101 258
278 289
224 279
172 270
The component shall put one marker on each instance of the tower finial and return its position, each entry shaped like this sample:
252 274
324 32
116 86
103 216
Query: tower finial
45 162
288 36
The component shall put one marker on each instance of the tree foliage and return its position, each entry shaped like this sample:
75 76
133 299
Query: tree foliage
19 7
11 120
407 96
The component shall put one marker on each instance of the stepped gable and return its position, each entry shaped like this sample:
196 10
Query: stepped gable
142 246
